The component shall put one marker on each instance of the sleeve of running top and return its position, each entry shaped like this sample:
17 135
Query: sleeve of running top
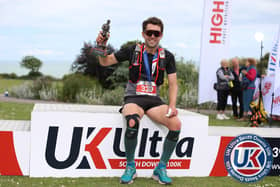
170 63
125 53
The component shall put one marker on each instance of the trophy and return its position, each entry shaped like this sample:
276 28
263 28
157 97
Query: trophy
101 49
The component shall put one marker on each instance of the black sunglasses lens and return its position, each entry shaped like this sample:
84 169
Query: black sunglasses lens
156 33
151 32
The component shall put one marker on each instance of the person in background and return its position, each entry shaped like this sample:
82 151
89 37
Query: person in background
236 90
224 81
249 77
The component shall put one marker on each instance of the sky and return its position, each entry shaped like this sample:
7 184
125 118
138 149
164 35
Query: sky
54 31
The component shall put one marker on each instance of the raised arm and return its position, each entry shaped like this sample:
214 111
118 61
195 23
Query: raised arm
109 59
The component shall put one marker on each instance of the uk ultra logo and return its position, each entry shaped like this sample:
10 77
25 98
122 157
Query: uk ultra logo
248 158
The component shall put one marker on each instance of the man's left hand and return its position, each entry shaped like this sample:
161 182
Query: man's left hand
172 111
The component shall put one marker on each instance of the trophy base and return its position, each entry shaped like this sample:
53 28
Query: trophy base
99 51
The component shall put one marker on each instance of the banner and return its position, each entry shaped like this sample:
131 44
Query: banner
267 91
273 64
271 83
87 141
15 152
214 45
90 144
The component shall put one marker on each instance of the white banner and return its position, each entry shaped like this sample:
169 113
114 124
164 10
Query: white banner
273 64
214 45
267 91
277 68
271 83
87 144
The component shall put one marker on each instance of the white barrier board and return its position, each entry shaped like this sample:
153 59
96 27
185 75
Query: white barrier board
66 142
14 147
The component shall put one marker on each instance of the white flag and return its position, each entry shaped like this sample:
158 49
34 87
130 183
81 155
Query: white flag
214 45
271 83
274 56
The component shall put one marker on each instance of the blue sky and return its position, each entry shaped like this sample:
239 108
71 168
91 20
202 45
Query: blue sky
55 30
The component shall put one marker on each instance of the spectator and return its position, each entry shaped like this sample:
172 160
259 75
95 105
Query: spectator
224 78
248 85
236 91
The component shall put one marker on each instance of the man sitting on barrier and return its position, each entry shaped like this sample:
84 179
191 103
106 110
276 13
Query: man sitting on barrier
147 64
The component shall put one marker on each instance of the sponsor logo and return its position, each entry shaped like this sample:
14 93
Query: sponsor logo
273 58
219 21
267 87
275 146
248 158
98 154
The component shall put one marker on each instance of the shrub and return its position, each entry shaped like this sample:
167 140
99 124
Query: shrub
22 91
8 76
40 84
113 97
48 93
34 75
76 87
188 98
88 96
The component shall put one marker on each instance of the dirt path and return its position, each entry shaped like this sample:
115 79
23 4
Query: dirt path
18 100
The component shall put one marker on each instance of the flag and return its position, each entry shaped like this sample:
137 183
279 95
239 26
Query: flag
214 45
271 83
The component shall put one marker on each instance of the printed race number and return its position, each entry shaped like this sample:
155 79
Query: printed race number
146 88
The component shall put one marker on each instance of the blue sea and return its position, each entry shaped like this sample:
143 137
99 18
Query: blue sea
54 68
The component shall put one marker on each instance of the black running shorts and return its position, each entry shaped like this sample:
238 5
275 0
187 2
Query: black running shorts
146 102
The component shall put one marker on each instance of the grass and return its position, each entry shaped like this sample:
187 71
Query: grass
20 181
6 84
234 123
22 111
15 111
231 122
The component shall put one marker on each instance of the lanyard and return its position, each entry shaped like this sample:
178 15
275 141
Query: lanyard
147 66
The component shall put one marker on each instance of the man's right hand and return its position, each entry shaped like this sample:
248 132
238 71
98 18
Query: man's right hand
101 40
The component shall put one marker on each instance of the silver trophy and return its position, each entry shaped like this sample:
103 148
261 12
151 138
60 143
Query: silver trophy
101 48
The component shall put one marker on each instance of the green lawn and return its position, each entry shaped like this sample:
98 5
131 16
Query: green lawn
6 84
12 181
22 111
15 111
231 122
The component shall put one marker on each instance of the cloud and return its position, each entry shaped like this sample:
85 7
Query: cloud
254 12
41 52
42 27
181 45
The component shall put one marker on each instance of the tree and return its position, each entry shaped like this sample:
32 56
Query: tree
120 77
87 64
32 63
262 64
130 43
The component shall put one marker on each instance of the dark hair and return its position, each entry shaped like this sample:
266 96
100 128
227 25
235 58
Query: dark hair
154 21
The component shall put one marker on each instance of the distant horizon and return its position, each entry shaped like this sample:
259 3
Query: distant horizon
61 68
52 68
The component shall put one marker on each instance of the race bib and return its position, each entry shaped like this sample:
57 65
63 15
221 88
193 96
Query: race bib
146 88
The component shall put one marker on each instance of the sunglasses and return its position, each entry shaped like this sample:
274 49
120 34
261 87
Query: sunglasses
152 32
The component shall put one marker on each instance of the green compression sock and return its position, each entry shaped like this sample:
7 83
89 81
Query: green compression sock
130 144
169 145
